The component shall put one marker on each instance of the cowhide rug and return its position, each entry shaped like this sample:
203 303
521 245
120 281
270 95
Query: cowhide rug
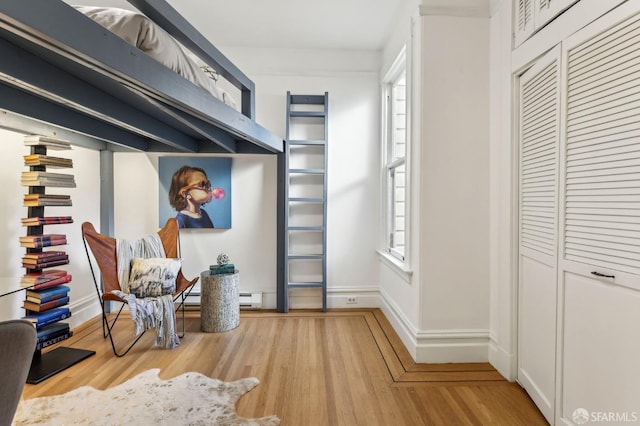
188 399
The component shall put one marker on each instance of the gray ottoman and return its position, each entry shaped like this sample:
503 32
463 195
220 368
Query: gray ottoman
219 302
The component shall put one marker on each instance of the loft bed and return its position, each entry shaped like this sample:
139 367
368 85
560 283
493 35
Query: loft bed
62 67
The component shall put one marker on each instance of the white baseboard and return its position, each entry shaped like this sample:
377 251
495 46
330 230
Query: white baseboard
337 298
436 346
353 297
502 361
446 346
82 310
544 404
400 323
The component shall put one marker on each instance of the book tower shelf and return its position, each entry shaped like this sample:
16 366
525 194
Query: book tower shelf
47 290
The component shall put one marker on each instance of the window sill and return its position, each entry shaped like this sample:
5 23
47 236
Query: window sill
396 266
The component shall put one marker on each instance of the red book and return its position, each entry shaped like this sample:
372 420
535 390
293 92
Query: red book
42 265
31 278
43 243
33 258
43 254
46 220
61 280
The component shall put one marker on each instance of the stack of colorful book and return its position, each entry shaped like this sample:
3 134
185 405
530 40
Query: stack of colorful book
53 333
51 294
227 268
44 259
47 292
47 306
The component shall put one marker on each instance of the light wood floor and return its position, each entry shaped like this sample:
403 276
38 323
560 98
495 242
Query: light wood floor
343 367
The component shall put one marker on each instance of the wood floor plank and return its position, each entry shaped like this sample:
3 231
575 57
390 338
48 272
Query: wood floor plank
343 367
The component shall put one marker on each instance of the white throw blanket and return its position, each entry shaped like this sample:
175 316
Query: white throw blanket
148 312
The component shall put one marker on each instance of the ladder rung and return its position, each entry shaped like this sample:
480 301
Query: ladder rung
306 142
307 171
307 99
306 200
306 256
312 114
306 285
306 228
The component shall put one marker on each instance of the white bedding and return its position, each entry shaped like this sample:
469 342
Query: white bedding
147 36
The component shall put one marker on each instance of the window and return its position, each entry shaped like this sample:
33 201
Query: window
395 142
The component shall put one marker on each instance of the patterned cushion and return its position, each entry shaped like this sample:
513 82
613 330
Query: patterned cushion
153 276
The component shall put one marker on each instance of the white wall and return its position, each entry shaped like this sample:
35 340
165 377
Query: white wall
85 198
455 188
250 243
503 196
400 285
440 306
351 78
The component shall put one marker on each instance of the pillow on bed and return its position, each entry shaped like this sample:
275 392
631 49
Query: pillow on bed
153 276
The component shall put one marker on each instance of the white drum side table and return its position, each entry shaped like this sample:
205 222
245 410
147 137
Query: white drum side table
219 302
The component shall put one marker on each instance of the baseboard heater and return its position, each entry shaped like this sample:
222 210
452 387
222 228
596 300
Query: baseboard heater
252 300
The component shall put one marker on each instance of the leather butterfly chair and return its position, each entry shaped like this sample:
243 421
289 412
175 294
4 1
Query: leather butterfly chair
104 251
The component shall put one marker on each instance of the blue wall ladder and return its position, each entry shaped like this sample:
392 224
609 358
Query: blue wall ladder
303 173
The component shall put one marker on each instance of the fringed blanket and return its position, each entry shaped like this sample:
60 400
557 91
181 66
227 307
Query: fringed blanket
154 312
149 312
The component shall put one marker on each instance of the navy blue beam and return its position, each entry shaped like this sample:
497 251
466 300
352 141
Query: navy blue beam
223 139
29 72
32 106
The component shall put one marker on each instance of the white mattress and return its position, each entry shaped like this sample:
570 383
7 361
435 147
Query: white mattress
147 36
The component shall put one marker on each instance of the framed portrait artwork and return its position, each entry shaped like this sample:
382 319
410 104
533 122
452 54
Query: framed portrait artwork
196 191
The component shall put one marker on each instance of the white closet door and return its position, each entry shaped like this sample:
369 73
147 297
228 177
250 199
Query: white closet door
539 149
546 10
523 17
602 187
599 261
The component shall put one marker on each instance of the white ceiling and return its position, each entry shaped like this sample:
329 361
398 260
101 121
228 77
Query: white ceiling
319 24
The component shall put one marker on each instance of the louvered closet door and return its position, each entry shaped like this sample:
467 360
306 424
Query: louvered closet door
599 262
546 10
539 149
602 188
523 16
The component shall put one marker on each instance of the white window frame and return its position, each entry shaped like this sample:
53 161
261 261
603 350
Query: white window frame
392 162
